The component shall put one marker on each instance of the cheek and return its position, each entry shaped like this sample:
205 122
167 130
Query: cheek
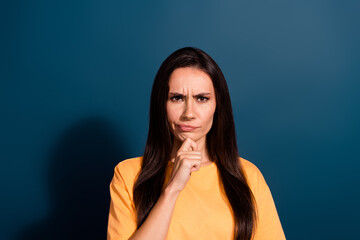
210 120
172 113
208 115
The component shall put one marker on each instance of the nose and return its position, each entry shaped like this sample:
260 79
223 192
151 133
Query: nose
188 113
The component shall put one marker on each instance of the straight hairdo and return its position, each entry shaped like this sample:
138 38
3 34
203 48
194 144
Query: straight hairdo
220 143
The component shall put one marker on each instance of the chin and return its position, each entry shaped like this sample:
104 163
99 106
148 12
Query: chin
183 136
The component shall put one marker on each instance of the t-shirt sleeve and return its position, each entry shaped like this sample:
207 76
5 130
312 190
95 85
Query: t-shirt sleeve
121 222
268 223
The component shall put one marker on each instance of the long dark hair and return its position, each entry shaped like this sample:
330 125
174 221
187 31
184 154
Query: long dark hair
220 141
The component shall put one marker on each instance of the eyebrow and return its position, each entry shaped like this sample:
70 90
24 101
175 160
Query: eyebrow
182 95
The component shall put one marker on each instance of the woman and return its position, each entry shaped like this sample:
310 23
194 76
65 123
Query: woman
191 183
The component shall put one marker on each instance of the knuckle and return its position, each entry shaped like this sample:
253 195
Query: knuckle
189 164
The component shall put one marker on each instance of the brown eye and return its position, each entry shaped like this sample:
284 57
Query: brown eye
202 99
176 98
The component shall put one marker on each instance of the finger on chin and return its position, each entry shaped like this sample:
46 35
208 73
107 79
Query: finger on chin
186 145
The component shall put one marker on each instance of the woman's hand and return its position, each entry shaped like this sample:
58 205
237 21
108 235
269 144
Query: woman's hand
187 160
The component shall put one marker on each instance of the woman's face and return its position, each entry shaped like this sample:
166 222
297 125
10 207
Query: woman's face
191 103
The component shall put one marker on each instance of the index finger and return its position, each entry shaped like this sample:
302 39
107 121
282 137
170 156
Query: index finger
187 145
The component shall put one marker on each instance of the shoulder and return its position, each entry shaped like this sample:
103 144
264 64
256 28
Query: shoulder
248 166
254 177
128 169
131 164
250 169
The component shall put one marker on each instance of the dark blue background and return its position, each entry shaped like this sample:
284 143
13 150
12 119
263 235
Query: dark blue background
74 96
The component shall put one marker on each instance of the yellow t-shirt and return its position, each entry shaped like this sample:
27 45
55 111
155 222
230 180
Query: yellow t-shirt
201 210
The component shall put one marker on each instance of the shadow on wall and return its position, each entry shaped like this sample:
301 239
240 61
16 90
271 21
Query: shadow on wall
80 171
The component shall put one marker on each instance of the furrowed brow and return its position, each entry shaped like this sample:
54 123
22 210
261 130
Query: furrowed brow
176 94
202 94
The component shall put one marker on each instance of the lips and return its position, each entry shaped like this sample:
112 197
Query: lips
186 128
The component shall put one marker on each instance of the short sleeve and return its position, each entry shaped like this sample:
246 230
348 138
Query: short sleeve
268 223
269 226
121 222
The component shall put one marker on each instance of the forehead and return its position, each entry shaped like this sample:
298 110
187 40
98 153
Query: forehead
188 78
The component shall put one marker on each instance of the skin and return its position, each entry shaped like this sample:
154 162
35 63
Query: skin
190 109
191 103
